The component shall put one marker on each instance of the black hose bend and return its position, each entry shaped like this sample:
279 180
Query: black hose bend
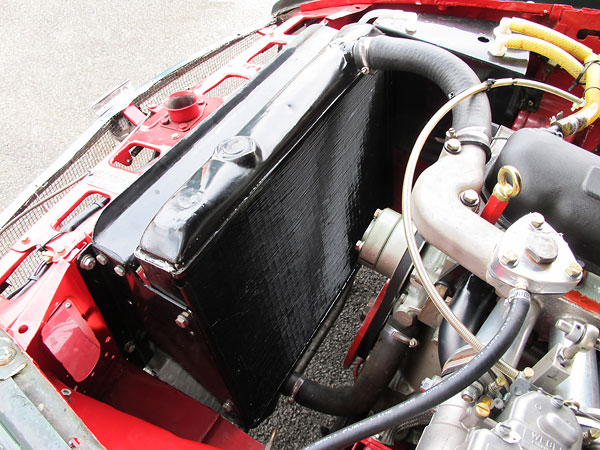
482 362
447 71
472 304
375 375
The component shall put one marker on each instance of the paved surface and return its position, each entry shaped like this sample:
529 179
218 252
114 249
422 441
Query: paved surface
55 60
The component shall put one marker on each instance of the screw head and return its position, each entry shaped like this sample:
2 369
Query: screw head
7 354
504 429
68 305
537 220
87 262
183 320
453 146
482 409
175 136
469 198
574 270
510 258
120 270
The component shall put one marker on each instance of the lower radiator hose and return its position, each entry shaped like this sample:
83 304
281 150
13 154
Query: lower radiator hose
482 362
375 375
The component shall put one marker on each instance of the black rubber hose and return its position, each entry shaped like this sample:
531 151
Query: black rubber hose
472 304
375 375
447 71
448 387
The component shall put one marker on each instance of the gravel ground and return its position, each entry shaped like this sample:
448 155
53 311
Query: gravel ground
296 425
57 59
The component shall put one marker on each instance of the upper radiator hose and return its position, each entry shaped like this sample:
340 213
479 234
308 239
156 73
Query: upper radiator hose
448 72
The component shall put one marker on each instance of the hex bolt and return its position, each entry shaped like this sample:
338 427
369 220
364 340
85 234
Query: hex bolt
183 320
472 392
510 258
129 347
359 245
102 259
7 354
482 410
541 248
426 384
453 146
574 270
88 262
469 198
528 372
120 270
227 406
451 133
537 220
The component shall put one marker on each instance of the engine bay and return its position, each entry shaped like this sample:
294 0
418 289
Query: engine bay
442 156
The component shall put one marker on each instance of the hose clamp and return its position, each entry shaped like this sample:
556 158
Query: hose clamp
363 49
400 337
476 136
297 385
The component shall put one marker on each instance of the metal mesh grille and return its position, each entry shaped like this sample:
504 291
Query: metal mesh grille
195 71
266 55
227 86
103 143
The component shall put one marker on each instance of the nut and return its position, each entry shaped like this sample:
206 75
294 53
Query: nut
88 262
537 220
102 259
453 146
183 320
574 270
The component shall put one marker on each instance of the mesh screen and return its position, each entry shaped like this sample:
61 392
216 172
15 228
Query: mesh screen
20 276
195 71
103 143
